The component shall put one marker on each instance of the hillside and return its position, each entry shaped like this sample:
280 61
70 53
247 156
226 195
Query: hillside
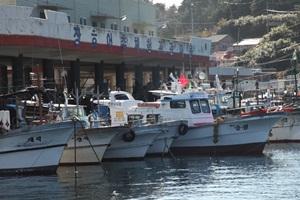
276 22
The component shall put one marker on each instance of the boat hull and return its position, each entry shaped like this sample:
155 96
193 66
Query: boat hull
287 129
35 149
238 136
163 141
136 149
91 145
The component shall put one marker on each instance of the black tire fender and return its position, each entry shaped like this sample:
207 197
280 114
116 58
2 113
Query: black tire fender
129 136
182 129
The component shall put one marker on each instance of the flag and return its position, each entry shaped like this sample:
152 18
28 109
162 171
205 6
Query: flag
295 57
183 81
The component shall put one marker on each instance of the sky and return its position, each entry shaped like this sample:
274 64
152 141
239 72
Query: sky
168 3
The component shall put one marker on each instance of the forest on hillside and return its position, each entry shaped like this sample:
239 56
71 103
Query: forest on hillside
277 22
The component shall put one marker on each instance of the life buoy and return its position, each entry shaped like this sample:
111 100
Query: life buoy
182 129
129 136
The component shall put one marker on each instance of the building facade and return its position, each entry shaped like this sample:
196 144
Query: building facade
131 16
89 44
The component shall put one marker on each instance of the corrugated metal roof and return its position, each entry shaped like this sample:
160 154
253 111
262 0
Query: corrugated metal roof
248 42
217 38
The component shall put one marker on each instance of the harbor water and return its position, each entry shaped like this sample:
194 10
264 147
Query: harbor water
274 175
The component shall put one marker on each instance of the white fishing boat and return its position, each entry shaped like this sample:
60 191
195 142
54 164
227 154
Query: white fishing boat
242 135
162 142
90 146
31 144
33 148
287 129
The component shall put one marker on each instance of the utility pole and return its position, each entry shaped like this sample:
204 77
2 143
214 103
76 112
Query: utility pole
192 19
294 63
267 17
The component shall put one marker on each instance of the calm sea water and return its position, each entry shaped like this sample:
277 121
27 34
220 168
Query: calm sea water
275 175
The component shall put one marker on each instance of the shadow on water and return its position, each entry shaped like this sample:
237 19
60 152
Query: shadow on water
147 179
155 177
270 175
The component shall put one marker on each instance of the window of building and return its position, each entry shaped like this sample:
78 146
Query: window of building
114 26
42 15
126 29
151 32
143 32
94 24
102 25
224 46
213 47
69 18
135 31
82 20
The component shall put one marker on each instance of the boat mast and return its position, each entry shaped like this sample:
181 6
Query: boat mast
39 94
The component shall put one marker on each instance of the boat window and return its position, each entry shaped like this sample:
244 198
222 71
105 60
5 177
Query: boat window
177 104
204 106
133 120
152 118
121 97
73 111
195 107
134 117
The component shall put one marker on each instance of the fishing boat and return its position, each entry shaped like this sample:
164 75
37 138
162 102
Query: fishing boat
286 129
205 136
89 145
162 143
31 147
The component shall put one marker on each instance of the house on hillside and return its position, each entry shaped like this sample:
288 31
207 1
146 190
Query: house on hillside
242 47
221 42
221 49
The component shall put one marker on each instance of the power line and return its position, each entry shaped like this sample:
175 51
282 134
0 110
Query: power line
281 12
247 3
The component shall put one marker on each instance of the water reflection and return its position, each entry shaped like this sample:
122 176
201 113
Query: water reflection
274 175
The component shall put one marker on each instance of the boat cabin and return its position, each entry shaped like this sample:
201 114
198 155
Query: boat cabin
191 106
112 111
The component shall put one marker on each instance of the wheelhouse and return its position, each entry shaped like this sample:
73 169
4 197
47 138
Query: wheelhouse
193 106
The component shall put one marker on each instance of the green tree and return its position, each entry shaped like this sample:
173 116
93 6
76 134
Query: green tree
172 22
147 1
276 47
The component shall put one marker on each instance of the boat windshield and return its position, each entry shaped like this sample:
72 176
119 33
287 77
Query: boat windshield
204 106
73 111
